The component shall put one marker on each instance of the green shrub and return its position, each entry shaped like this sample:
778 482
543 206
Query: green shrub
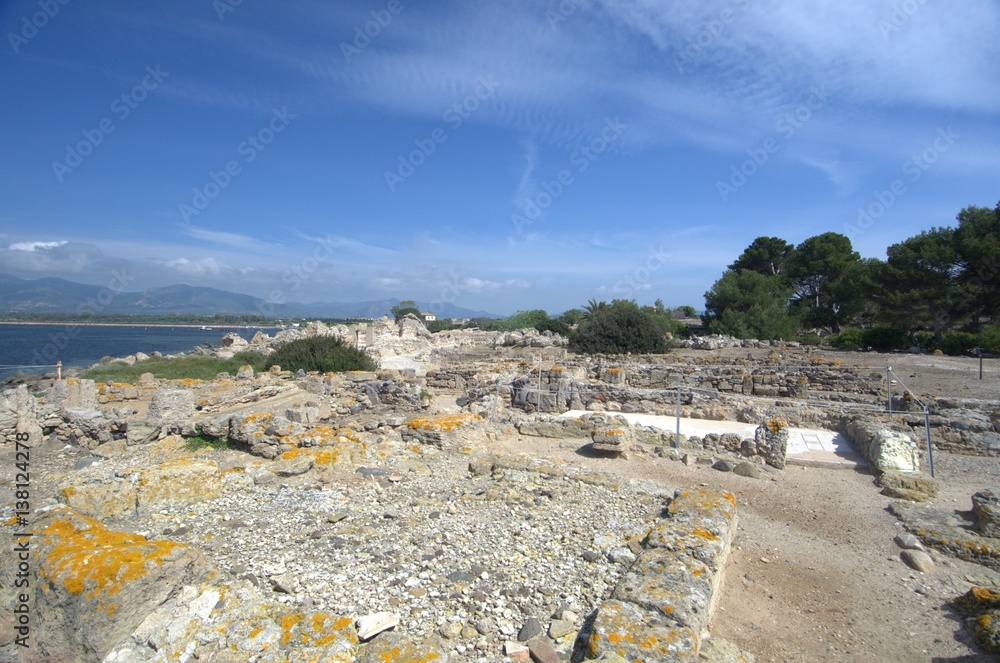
958 343
923 339
326 354
850 338
884 338
810 339
619 329
989 339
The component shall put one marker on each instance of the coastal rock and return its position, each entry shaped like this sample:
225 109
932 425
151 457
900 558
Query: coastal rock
100 584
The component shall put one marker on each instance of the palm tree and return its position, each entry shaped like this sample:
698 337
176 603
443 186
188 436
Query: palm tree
592 307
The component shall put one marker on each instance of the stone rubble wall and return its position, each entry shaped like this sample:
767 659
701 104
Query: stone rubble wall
662 607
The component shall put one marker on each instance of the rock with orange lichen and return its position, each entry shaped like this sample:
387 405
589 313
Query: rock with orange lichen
237 624
676 588
94 586
397 648
449 431
981 608
100 499
771 440
637 634
179 481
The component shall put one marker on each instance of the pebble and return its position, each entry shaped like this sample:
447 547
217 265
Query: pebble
560 627
908 541
542 651
919 560
532 628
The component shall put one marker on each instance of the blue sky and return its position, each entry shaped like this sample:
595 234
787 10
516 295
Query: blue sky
498 155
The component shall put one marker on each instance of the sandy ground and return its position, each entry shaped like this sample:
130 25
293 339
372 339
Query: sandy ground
814 574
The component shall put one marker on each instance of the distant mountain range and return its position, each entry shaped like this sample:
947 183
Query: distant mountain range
53 295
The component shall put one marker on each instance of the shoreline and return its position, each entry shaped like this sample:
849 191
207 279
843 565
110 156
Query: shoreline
137 324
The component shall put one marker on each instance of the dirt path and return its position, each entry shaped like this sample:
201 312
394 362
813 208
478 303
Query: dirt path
814 574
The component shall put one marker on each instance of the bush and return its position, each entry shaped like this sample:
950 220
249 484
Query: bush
989 339
619 329
850 338
958 343
810 339
884 338
326 354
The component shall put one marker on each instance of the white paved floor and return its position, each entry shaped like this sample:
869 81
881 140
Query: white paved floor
806 443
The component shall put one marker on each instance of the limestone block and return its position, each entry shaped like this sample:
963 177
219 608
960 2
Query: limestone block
636 634
172 410
894 452
665 584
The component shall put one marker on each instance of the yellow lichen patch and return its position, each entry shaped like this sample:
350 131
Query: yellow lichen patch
259 418
188 382
255 631
444 424
322 456
777 424
97 560
289 622
705 534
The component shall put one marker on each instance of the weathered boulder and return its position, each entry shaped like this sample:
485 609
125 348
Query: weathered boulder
95 586
892 451
101 500
913 486
20 415
986 506
232 343
981 608
771 440
172 411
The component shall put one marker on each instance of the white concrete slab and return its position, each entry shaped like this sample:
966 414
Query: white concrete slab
805 444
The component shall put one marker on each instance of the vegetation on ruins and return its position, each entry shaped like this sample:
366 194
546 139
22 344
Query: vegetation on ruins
325 354
622 327
195 368
320 353
936 290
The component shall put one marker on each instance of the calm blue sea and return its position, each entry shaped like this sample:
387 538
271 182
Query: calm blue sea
34 348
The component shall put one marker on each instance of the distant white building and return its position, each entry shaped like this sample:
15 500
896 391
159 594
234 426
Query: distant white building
428 317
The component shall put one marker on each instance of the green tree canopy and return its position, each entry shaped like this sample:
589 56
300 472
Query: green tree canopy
816 268
765 255
404 307
748 304
918 283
